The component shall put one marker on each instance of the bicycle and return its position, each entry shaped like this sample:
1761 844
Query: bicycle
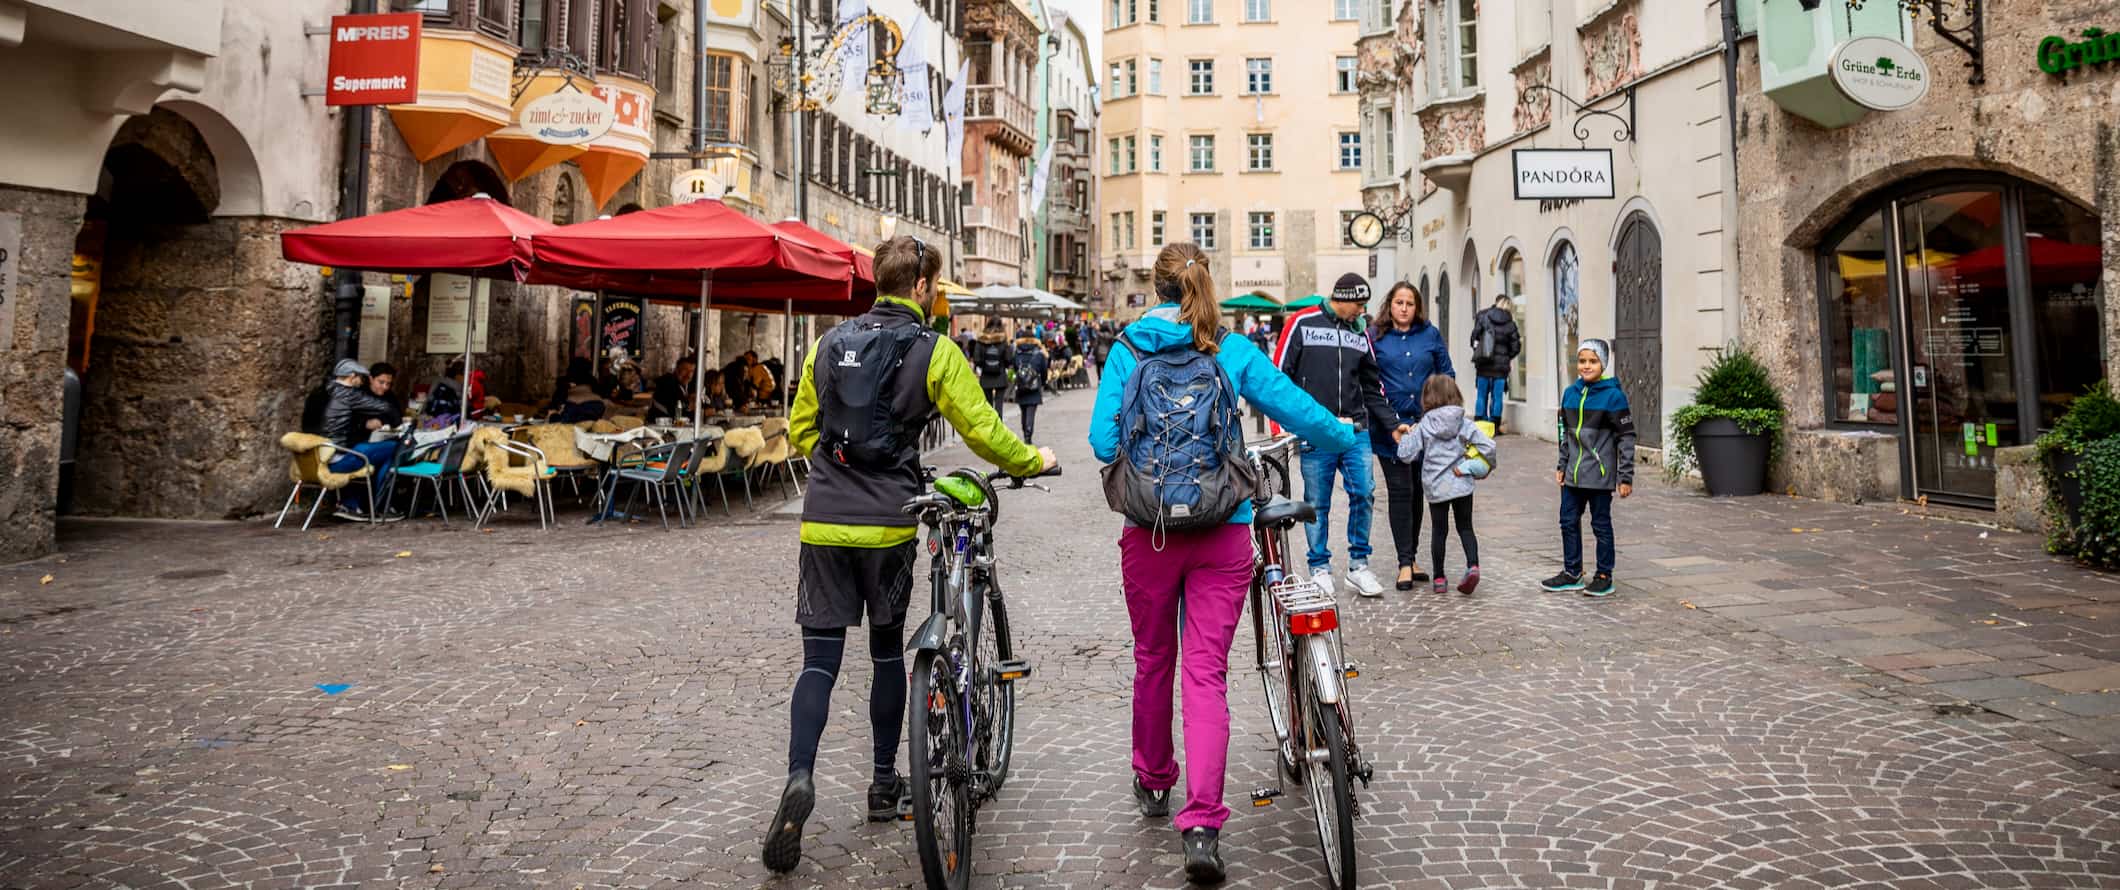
1301 662
962 720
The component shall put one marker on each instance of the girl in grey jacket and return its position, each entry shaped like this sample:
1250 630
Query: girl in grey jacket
1452 452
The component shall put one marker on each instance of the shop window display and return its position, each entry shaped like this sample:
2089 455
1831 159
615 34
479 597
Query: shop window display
1859 327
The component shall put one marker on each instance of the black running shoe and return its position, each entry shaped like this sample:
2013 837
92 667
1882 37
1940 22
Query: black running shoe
889 800
783 849
1563 581
1203 856
1599 586
1153 804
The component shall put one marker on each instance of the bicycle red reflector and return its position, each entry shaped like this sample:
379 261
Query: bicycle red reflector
1322 621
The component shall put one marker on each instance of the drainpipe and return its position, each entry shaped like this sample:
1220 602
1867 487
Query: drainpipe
699 81
354 146
1733 248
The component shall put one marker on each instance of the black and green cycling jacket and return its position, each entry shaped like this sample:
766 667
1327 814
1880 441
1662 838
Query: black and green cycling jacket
862 506
1596 435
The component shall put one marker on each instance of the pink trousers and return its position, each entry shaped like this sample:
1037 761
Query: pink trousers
1200 578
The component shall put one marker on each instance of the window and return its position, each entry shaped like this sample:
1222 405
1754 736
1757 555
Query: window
1129 227
1261 227
1350 151
1155 153
1116 243
1342 10
1258 10
1117 82
1343 71
1111 150
1155 10
1513 288
1258 75
1567 271
1258 151
1199 12
1347 223
1133 78
1468 43
1114 18
1202 154
1203 230
727 117
1452 29
1131 144
1155 77
1155 228
1203 77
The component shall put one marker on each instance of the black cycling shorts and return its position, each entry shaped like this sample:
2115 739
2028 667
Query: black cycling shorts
835 586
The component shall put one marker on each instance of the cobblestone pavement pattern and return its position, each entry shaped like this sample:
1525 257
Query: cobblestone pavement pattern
1785 694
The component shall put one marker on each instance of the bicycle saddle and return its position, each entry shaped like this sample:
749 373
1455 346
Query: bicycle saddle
1283 512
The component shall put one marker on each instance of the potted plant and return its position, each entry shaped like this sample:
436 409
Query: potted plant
1732 430
2094 417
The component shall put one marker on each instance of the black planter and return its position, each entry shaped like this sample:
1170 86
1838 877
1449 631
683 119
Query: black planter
2063 464
1732 462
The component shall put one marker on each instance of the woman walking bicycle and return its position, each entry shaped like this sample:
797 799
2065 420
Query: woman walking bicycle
1207 563
1408 351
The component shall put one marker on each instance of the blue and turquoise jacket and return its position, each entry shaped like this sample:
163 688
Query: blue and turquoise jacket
1405 360
1256 380
1596 435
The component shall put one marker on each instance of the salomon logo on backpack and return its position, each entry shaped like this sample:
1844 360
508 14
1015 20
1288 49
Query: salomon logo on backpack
993 359
1181 463
855 394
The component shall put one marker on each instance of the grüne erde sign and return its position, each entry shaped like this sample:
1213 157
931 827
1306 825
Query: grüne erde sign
1557 173
375 59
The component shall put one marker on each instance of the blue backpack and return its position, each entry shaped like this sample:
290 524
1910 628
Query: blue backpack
1181 463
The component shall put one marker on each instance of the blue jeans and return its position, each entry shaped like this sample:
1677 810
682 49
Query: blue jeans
1573 500
1488 404
1352 466
380 455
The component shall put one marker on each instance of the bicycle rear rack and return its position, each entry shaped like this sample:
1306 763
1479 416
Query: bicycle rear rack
1301 596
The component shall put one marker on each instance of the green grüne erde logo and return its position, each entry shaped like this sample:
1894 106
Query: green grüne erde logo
2058 55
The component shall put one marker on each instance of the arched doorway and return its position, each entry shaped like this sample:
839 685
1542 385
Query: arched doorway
1978 336
466 178
1638 341
1442 305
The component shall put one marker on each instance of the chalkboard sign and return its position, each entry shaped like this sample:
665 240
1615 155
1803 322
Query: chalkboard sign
622 321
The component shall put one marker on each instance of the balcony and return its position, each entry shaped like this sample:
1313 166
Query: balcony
992 237
1006 116
494 18
1065 219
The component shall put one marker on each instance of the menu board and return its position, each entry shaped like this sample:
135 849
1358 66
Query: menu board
622 320
449 302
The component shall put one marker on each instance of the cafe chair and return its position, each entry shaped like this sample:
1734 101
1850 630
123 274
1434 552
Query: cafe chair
659 470
309 466
771 461
556 442
715 460
513 466
438 465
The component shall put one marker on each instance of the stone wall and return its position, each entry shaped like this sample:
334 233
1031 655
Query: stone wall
205 344
32 368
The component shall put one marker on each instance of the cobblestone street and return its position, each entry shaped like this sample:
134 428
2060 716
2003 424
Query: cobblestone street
1784 694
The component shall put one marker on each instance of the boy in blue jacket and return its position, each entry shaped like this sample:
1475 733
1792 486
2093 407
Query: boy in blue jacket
1597 458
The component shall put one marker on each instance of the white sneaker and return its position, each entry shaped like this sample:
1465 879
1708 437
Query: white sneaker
1323 578
1365 581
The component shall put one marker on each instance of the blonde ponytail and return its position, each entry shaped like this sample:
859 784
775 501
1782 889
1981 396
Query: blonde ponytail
1183 266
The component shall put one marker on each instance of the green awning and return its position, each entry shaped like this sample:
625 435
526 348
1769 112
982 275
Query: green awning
1306 303
1250 303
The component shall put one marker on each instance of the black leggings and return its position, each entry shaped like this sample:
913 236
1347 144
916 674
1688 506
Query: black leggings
1402 500
812 701
1030 414
1440 515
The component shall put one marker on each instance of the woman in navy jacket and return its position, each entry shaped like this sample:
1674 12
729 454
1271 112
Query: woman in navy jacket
1408 351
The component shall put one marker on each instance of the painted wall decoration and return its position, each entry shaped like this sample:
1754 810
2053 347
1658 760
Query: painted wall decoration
1612 48
1535 108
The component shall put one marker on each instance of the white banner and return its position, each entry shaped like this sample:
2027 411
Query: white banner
1552 173
1039 177
914 50
854 53
916 107
953 111
449 312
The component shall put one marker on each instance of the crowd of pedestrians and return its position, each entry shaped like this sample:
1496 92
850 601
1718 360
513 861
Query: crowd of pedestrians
1166 423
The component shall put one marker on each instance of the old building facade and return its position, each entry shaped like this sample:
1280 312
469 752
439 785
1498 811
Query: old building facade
1225 127
1068 217
1002 40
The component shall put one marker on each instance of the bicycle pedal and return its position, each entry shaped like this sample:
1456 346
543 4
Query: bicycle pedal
1263 796
1010 671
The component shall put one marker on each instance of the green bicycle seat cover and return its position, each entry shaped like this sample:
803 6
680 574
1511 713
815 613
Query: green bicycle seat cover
962 490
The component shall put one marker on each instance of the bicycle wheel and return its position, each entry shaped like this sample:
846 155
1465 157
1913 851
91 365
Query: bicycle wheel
942 803
1274 676
1332 796
997 701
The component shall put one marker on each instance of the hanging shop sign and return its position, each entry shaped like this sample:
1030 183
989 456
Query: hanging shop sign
449 307
375 59
566 117
1880 73
696 184
1560 173
2059 55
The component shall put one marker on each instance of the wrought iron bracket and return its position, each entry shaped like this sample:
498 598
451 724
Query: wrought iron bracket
1624 125
570 67
1970 38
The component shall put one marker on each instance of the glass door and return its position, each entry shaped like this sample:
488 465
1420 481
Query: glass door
1963 401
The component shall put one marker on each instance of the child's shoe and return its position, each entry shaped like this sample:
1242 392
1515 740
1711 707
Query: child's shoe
1599 586
1564 581
1470 581
1441 583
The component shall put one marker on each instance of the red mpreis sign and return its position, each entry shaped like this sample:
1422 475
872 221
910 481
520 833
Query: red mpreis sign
375 59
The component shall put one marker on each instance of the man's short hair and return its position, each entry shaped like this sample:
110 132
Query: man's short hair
902 261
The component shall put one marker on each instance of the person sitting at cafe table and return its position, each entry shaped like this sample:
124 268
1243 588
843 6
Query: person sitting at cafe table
764 389
381 377
351 412
446 397
576 399
715 398
673 391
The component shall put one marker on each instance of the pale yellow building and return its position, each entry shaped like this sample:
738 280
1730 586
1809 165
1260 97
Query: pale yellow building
1233 124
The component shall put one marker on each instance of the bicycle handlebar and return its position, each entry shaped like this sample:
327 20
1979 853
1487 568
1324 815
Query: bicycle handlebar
1018 481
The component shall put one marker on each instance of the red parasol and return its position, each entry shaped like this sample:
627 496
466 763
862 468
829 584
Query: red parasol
475 235
2050 260
864 263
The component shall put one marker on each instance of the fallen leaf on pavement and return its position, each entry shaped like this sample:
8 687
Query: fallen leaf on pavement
581 723
1796 531
399 767
45 580
322 537
1818 529
1989 621
403 553
487 531
434 869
